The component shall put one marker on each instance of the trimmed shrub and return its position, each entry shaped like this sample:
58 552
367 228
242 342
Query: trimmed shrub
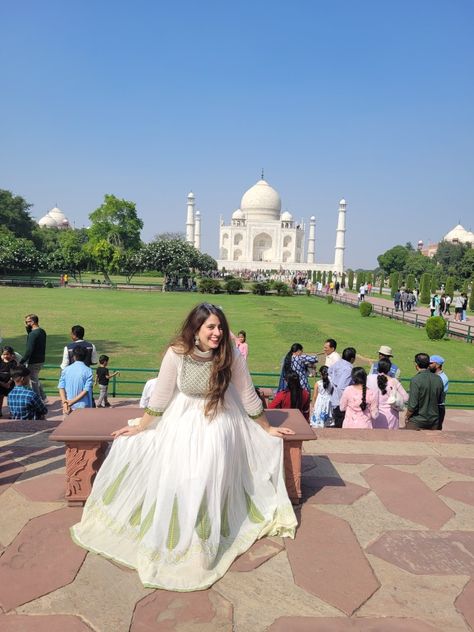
330 298
209 286
449 287
232 286
436 327
382 282
360 279
410 284
318 276
343 280
369 278
465 287
365 308
350 279
433 284
260 288
324 278
471 297
282 289
314 276
425 288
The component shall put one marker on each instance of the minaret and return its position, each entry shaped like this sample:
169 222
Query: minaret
197 230
311 239
190 219
340 239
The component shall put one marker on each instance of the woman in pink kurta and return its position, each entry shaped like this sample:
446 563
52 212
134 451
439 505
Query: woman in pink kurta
359 402
388 417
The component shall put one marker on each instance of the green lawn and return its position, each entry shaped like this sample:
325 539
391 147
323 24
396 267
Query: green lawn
135 327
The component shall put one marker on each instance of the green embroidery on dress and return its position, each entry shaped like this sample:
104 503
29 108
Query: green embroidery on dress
203 522
252 511
146 524
256 415
135 518
113 488
225 529
173 530
153 412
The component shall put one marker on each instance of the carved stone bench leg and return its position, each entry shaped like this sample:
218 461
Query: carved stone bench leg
83 460
292 464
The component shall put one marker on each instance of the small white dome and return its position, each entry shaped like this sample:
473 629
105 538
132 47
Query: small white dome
57 214
342 202
190 195
198 213
286 217
459 233
238 214
261 202
47 221
312 218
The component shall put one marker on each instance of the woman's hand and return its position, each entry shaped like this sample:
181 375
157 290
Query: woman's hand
280 432
127 431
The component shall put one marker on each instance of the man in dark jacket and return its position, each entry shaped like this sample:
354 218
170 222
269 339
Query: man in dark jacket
34 355
426 396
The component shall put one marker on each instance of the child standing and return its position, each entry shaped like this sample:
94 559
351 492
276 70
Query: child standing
241 344
102 379
322 407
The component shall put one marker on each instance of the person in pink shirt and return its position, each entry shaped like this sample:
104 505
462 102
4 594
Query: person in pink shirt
388 416
359 402
241 344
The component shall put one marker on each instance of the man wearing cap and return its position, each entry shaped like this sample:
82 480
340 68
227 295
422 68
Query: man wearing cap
436 366
426 395
386 352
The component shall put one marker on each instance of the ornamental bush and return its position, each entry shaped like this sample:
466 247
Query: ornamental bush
330 298
436 328
350 279
471 298
382 282
365 308
410 284
434 284
209 286
449 287
282 289
233 286
425 288
260 288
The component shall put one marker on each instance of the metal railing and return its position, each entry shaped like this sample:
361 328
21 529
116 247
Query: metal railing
120 387
454 328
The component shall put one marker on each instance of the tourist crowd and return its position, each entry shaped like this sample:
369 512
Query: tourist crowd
344 396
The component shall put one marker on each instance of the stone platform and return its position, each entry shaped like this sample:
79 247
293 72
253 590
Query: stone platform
385 543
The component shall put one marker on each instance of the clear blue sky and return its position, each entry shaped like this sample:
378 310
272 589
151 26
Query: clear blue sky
372 100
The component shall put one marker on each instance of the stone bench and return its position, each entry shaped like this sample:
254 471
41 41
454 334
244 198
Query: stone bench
87 433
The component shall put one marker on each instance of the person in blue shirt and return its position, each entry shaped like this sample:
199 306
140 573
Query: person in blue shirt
298 362
340 376
75 383
23 402
385 353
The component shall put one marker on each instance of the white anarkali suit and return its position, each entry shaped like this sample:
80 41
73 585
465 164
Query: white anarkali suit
181 500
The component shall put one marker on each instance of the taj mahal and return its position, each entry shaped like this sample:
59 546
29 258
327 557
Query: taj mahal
262 237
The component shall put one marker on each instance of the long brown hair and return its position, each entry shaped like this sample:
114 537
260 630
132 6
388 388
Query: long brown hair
221 371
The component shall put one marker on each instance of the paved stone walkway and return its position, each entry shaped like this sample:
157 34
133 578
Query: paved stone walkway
385 543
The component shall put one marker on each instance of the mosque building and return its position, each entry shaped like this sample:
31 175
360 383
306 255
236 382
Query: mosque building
457 235
54 218
262 237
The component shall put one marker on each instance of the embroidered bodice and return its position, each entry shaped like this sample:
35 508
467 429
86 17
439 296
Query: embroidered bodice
190 374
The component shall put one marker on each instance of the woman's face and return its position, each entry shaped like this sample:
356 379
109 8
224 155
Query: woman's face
298 352
210 333
241 338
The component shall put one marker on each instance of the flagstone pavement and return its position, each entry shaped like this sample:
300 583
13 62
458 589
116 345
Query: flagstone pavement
385 543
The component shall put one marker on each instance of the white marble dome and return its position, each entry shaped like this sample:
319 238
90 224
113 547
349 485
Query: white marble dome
55 218
286 216
460 234
261 202
47 221
238 214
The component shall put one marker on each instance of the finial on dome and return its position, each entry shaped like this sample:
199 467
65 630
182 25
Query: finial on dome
263 174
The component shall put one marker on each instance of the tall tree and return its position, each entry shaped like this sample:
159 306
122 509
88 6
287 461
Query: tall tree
116 222
393 259
14 215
